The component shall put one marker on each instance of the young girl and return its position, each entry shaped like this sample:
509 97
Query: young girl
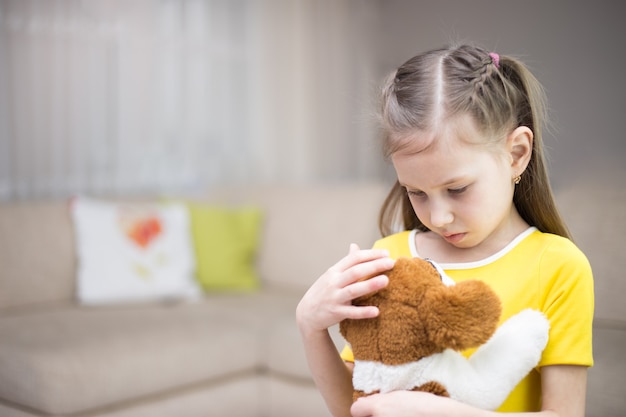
463 131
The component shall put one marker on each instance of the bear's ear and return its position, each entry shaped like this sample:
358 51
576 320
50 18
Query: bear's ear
461 316
409 279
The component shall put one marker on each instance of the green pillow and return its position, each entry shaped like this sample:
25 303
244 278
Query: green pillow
225 243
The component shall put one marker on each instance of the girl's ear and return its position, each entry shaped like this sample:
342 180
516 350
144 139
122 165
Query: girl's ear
520 148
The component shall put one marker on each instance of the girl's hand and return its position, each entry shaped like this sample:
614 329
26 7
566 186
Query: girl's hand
411 403
329 300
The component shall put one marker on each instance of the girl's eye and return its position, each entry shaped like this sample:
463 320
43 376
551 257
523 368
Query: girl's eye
415 193
460 190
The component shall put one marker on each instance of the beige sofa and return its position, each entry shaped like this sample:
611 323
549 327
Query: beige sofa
228 355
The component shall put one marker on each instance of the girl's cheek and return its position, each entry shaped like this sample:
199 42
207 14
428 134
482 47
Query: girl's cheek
416 207
421 212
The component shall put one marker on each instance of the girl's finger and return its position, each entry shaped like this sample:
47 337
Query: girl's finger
360 312
353 248
364 270
356 256
361 288
361 408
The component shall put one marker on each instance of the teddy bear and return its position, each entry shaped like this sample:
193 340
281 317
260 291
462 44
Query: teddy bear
425 321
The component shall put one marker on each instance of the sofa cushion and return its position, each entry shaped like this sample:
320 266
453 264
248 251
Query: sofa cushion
132 251
76 359
284 397
208 400
285 355
226 242
6 411
36 253
314 236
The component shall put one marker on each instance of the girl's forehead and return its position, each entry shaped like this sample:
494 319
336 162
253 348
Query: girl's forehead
455 151
450 156
442 166
448 135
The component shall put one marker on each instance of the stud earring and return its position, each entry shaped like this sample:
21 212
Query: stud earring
517 179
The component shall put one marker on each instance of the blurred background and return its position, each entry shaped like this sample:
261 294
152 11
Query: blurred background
178 96
205 98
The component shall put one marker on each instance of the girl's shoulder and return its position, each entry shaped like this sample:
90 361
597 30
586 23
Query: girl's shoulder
557 259
553 246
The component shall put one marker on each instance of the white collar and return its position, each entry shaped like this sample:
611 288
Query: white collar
475 264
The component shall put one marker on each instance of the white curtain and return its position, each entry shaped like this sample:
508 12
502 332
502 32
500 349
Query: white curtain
176 96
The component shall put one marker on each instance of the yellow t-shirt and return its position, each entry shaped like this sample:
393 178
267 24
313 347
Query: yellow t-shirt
536 270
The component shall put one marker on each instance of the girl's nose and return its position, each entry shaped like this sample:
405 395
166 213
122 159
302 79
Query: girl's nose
440 215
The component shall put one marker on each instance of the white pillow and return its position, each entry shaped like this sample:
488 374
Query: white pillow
133 252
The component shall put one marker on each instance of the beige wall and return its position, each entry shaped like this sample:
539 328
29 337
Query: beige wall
575 48
312 68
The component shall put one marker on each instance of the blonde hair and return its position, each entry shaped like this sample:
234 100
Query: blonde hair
498 92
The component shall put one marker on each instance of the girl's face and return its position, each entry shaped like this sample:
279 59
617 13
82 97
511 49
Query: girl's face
459 189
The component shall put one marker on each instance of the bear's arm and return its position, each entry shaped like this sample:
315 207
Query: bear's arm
461 316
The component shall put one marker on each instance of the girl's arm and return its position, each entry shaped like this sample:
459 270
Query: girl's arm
326 303
563 393
331 375
564 389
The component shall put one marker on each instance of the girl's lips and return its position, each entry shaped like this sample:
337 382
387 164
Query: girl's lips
454 237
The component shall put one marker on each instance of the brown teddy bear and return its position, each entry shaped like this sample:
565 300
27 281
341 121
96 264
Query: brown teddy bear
425 321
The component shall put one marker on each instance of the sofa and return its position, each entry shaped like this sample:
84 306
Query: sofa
229 353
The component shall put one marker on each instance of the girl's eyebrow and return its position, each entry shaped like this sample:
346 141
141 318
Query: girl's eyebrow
453 180
445 183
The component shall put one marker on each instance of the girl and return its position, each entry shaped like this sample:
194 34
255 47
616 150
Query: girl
463 131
